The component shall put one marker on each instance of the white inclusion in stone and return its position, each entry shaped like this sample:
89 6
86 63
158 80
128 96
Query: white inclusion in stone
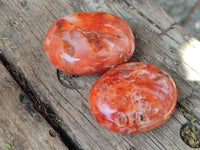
126 130
156 110
111 26
120 56
77 40
68 58
153 76
71 18
48 41
107 111
143 71
144 105
163 85
111 44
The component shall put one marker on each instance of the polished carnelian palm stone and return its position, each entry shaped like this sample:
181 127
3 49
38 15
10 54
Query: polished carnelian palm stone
133 97
89 42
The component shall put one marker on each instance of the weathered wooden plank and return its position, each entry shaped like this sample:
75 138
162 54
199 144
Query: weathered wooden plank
20 124
26 26
152 11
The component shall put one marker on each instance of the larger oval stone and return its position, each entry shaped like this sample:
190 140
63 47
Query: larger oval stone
89 42
132 98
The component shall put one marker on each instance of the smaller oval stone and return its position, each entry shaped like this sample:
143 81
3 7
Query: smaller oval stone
136 97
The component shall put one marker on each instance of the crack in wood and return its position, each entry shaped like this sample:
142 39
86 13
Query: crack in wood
44 109
28 107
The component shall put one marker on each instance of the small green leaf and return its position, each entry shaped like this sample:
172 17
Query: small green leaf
3 38
193 119
20 19
15 25
193 136
176 62
182 45
58 119
19 32
135 10
8 145
174 26
146 133
64 80
193 129
180 109
151 132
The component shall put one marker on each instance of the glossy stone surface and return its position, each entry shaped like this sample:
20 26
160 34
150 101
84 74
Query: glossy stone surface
89 43
133 97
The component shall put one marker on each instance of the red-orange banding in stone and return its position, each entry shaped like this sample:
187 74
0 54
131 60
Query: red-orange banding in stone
133 97
89 42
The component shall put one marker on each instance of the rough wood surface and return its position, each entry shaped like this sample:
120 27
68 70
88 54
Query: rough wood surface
20 124
158 41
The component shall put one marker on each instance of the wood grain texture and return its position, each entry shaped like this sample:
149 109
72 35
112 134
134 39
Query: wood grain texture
20 124
25 26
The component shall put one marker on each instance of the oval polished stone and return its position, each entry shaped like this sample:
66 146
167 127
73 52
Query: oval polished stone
133 97
89 42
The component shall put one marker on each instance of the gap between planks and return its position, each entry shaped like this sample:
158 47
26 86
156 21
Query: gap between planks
42 108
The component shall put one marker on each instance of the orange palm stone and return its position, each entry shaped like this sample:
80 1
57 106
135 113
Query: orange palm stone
133 97
89 42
